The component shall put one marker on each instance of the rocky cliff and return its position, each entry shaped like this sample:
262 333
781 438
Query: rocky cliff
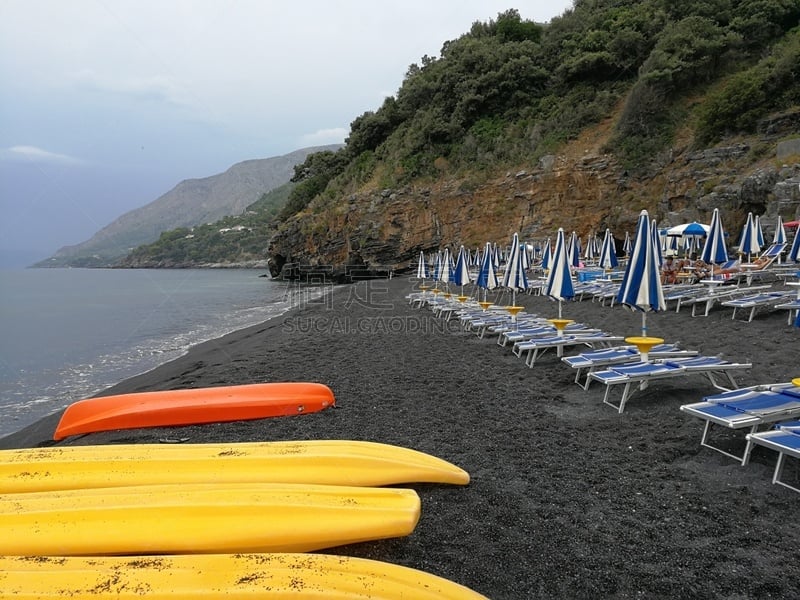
581 188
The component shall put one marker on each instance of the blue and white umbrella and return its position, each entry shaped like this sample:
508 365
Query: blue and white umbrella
422 268
641 286
547 255
627 246
461 272
780 232
657 242
487 276
444 272
748 240
422 272
759 232
608 253
574 250
559 279
714 250
693 229
514 276
794 252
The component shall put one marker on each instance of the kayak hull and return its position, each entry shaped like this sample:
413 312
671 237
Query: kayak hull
330 462
193 406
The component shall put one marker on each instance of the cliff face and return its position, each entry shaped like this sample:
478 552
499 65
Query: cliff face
580 189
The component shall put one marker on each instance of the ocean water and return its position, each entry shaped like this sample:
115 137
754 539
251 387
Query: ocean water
66 334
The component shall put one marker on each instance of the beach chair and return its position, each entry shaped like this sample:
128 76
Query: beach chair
641 374
618 355
748 408
763 300
785 440
542 328
719 295
537 347
793 307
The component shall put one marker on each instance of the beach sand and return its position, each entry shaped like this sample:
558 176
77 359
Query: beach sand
568 498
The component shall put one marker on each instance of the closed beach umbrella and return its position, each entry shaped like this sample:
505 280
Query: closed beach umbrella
657 243
487 276
608 254
627 245
759 232
547 255
443 272
422 268
574 250
714 251
514 276
641 286
780 232
461 273
748 240
559 279
794 253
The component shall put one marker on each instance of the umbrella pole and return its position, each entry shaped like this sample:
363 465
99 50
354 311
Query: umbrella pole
644 323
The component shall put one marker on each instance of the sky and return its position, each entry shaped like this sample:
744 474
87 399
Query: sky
105 105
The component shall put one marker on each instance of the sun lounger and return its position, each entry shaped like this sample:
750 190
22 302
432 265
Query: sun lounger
710 298
618 355
794 305
748 408
785 440
641 374
539 346
539 329
765 300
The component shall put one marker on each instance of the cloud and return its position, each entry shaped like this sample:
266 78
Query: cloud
38 155
322 137
156 87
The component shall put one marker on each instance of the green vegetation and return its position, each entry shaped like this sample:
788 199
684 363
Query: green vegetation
231 239
510 90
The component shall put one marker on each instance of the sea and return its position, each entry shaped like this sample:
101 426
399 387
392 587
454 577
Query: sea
66 334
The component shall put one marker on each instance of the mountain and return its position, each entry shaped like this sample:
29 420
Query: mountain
191 202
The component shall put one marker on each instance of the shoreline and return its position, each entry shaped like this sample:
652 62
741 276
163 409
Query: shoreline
568 499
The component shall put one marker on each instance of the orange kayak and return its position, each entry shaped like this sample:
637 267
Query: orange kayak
193 406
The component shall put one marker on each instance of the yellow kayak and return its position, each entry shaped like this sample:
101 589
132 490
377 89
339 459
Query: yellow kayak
332 462
298 576
202 518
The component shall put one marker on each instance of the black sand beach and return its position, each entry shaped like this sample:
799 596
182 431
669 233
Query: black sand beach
568 499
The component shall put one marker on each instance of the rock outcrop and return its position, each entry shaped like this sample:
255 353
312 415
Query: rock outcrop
581 189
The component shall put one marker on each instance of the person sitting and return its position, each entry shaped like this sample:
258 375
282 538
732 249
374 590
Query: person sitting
669 271
701 268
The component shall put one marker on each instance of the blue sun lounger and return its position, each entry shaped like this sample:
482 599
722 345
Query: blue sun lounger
785 440
748 408
536 347
641 374
767 299
618 355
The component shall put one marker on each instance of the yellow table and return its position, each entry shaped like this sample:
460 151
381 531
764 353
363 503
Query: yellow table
462 299
644 344
796 381
484 304
514 311
560 324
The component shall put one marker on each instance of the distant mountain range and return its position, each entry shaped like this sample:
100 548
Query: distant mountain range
192 202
